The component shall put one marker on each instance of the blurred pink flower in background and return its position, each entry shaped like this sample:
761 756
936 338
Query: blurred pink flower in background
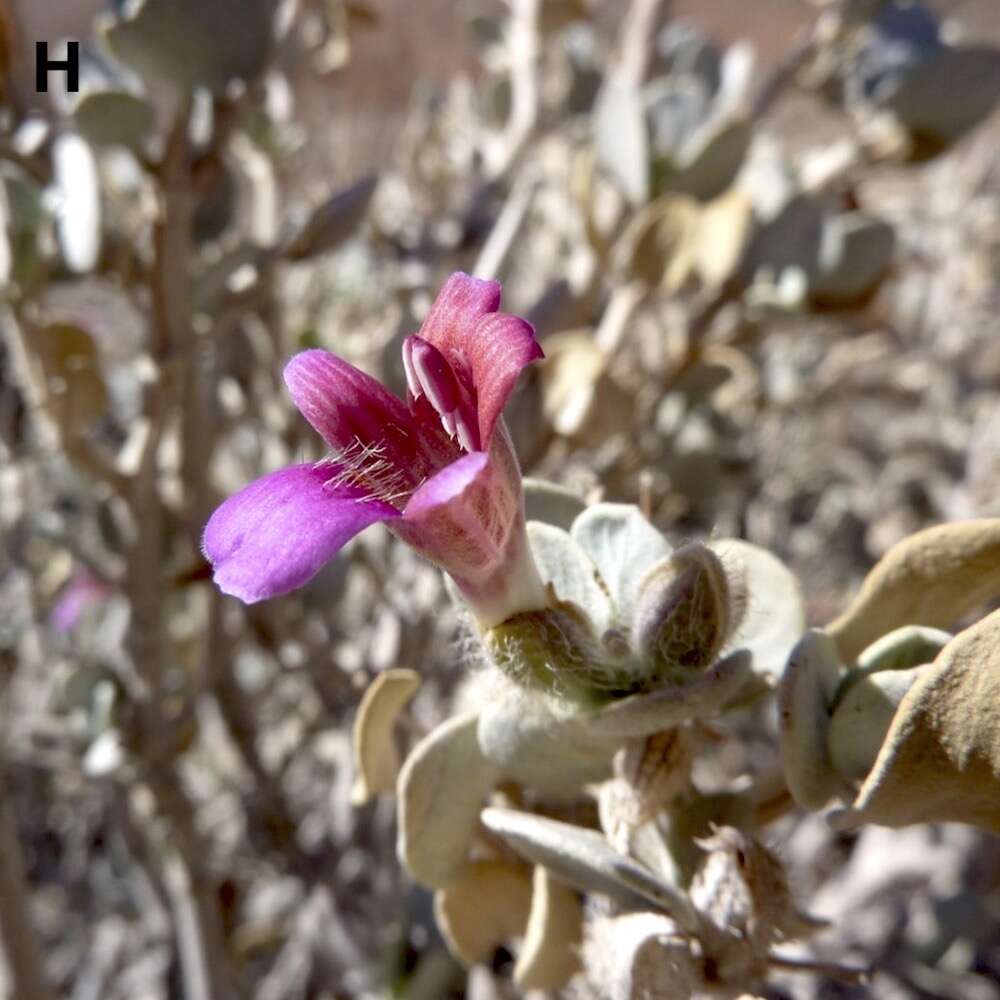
83 591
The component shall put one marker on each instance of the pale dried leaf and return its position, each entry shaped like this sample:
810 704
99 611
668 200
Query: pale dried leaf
549 955
621 137
375 753
488 906
724 228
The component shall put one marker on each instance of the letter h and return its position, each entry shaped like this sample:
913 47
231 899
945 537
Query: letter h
43 64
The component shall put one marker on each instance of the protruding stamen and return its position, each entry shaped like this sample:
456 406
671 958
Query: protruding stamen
434 375
468 433
412 382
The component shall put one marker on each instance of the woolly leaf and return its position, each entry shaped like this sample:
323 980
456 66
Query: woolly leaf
931 578
441 789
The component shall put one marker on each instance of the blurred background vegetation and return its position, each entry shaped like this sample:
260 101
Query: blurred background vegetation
760 242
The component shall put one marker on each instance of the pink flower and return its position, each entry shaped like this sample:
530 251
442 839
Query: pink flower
439 469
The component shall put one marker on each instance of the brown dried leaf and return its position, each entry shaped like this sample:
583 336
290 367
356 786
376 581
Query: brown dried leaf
655 769
941 757
375 754
659 245
931 578
77 396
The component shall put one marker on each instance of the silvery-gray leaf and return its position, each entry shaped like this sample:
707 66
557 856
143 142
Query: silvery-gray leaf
620 137
564 564
775 617
854 254
441 789
551 503
710 160
585 859
736 73
682 49
6 250
191 43
332 222
623 545
899 38
949 93
533 747
645 714
114 118
78 215
790 240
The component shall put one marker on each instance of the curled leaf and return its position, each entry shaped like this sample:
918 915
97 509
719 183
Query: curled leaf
645 714
375 754
658 246
585 859
805 695
485 908
549 956
441 789
931 578
940 760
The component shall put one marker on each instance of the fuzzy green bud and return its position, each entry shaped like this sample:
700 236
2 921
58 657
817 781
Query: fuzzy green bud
552 649
684 614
